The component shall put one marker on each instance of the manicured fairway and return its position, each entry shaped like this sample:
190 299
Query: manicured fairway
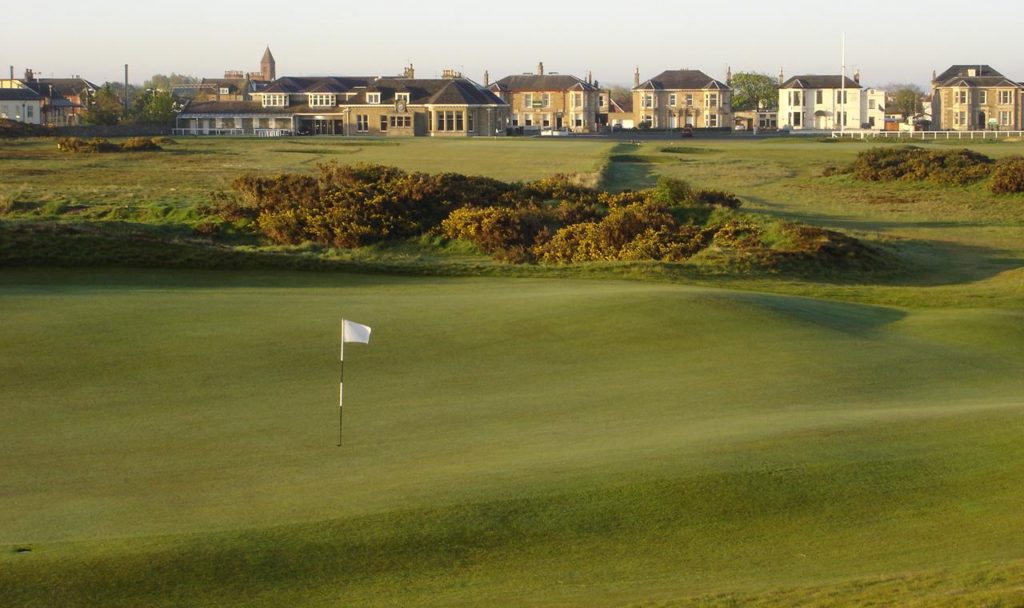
169 439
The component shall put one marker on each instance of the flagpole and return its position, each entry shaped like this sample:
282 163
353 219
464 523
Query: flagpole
341 383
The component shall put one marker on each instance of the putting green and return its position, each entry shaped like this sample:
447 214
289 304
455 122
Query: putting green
638 441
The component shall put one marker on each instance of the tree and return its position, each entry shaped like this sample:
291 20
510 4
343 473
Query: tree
154 106
163 82
105 108
753 90
903 99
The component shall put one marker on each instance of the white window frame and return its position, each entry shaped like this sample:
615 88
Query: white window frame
672 100
647 100
1005 118
373 98
321 100
224 90
402 97
1005 97
545 100
527 100
275 100
711 100
362 123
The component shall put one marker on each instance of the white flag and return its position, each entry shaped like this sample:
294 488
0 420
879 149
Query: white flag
354 332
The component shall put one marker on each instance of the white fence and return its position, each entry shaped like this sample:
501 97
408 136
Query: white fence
235 132
926 134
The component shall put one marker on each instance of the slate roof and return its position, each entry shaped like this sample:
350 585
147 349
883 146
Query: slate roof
317 84
814 81
68 87
19 95
671 80
985 76
234 85
540 82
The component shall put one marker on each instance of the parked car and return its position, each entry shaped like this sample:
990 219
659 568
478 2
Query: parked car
686 132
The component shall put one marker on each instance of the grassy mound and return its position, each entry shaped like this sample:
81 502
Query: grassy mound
10 129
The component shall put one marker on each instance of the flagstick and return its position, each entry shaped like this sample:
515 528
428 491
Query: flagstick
341 383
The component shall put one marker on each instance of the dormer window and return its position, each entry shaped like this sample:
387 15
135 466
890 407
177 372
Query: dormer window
402 97
373 98
275 100
321 100
224 90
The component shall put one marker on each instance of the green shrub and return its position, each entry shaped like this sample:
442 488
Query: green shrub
671 191
501 231
1008 176
140 144
716 198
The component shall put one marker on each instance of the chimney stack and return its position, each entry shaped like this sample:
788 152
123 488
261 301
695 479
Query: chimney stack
487 78
856 76
782 77
590 77
28 75
540 68
410 72
728 75
636 77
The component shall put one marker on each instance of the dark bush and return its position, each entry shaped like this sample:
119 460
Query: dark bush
140 144
716 198
1008 175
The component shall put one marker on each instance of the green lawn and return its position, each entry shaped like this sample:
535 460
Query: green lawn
169 436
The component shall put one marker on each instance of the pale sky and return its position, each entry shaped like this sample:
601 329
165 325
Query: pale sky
888 41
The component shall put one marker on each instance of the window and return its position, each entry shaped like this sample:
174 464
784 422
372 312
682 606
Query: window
546 121
400 121
688 99
672 100
960 96
546 100
982 96
529 120
600 100
528 100
841 96
959 118
373 98
449 120
577 100
577 120
794 98
404 97
515 120
362 123
818 97
1004 118
321 100
711 100
647 120
842 118
1005 97
29 111
224 90
871 104
647 101
470 126
796 118
712 120
383 123
275 100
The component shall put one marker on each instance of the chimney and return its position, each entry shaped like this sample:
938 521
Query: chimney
28 75
487 78
636 77
934 75
782 76
590 77
728 75
410 72
856 76
12 72
540 68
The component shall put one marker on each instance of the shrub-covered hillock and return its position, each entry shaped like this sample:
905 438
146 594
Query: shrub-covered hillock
554 220
1008 175
99 144
11 129
912 163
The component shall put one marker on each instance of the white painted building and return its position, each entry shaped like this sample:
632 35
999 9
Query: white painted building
823 103
21 105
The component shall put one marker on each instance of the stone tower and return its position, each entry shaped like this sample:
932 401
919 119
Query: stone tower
268 67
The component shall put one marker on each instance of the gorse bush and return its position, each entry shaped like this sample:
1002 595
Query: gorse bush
912 163
99 144
555 220
1008 175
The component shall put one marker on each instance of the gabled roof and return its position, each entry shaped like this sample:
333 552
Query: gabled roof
814 81
672 80
540 82
68 87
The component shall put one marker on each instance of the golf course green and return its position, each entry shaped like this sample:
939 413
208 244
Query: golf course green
169 437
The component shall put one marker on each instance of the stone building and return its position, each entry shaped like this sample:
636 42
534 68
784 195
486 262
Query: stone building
974 98
542 101
675 99
451 106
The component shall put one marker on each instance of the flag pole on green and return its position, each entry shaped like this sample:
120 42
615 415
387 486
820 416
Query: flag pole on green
350 332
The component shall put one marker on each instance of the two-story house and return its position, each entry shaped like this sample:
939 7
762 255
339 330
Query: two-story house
676 99
973 98
550 101
822 102
451 106
21 105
